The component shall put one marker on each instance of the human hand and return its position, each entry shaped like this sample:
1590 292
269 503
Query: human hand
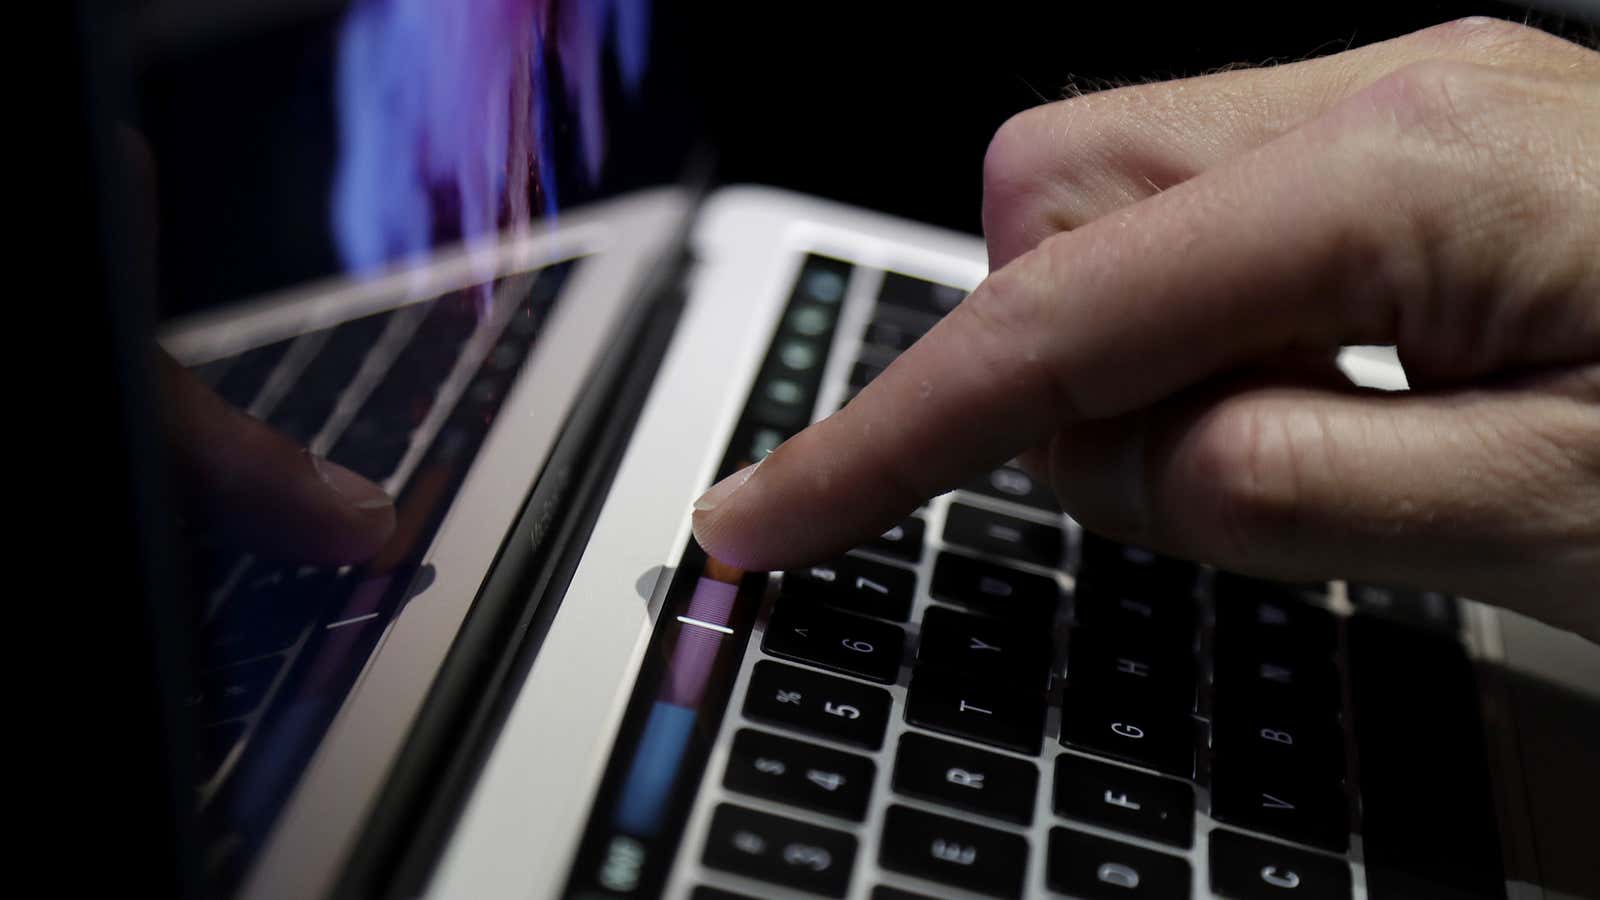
1174 266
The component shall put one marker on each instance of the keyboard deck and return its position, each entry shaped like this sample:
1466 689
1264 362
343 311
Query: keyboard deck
988 701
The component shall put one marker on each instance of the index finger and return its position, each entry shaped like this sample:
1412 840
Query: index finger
1307 241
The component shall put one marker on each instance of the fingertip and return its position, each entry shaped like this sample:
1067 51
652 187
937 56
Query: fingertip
377 525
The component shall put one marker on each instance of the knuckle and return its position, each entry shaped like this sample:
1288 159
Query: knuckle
1013 151
1478 33
1499 41
1056 167
1470 158
1021 196
1441 101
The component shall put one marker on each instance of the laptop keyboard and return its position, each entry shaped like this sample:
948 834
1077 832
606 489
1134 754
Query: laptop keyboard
988 701
362 393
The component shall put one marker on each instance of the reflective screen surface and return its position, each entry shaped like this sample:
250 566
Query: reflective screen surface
271 154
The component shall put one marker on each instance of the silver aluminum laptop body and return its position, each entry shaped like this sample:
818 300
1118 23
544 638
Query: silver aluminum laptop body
519 832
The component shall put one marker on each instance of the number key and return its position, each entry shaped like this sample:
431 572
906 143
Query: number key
902 541
1011 483
779 850
800 774
833 640
846 711
856 584
1007 536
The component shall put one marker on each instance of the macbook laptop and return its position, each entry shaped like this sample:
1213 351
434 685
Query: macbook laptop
541 687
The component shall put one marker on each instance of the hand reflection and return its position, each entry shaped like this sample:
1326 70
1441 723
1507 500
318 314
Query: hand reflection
238 479
260 490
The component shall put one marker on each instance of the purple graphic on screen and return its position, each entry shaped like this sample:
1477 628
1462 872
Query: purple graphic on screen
698 646
447 120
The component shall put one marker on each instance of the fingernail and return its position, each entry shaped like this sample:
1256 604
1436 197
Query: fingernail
357 491
722 490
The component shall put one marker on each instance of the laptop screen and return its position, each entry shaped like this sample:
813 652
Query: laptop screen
275 154
339 136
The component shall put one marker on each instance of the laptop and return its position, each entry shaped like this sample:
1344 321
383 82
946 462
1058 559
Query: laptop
540 686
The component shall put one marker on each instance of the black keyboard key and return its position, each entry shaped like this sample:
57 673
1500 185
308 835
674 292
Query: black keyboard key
1159 740
1270 616
991 650
1137 569
1097 868
800 774
1281 802
234 691
212 746
1244 868
1428 824
811 702
780 851
892 334
249 372
1422 609
1011 483
884 892
838 641
1278 738
1003 535
1235 584
1159 674
1122 799
927 297
953 852
903 541
1274 679
988 712
1166 615
994 590
965 778
701 892
856 584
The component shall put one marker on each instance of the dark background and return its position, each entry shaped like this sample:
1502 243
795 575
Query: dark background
893 108
885 105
